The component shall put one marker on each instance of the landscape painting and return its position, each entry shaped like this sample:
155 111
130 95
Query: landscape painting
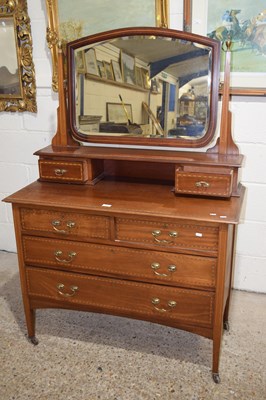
244 23
96 16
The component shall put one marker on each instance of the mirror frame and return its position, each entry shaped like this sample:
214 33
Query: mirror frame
161 12
26 100
163 142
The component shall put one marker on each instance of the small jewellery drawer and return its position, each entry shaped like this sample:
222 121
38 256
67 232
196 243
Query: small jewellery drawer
134 299
141 265
164 234
65 223
206 184
63 171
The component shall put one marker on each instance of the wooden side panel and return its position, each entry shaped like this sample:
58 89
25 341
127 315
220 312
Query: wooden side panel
223 274
28 309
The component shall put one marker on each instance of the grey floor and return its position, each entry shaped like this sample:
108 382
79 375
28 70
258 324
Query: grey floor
84 356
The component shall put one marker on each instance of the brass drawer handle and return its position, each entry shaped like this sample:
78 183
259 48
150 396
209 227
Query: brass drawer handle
69 225
59 253
61 286
202 184
157 232
156 301
60 171
155 266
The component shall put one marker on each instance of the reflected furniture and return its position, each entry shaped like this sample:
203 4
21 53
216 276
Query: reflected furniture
124 223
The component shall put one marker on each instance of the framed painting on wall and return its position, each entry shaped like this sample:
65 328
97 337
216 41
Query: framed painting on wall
66 23
244 23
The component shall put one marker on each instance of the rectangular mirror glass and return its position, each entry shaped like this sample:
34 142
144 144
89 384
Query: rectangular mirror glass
10 79
17 73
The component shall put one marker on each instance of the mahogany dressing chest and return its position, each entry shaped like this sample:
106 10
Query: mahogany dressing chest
139 223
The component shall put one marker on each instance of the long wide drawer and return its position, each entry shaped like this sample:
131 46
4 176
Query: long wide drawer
65 223
133 299
165 234
155 266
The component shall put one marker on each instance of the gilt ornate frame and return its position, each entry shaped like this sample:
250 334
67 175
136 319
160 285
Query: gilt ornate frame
25 99
53 37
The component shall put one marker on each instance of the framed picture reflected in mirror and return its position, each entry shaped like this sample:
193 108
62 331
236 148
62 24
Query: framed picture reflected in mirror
91 63
117 71
119 113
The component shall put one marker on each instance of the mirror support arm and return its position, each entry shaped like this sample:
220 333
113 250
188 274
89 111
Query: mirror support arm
225 143
62 136
187 23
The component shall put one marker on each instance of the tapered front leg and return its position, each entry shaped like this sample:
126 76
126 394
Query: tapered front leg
30 321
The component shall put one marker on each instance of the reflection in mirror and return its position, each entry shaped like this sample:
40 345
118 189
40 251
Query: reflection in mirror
143 86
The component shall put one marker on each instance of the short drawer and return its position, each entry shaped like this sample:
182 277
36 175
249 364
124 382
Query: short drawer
63 171
165 234
206 184
65 223
141 265
134 299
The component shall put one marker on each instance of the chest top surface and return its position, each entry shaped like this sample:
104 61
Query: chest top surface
118 197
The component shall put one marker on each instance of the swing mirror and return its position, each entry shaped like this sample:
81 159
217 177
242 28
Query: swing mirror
143 86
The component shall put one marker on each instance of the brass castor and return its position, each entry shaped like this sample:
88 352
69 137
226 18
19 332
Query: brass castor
33 340
216 377
226 326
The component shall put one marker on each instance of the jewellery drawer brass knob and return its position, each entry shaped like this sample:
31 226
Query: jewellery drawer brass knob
73 289
155 266
156 301
202 184
60 171
70 256
69 225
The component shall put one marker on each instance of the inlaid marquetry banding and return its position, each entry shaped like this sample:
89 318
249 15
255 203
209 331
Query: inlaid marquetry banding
146 273
225 179
129 309
178 227
78 168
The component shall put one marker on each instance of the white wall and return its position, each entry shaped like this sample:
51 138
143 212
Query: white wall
23 133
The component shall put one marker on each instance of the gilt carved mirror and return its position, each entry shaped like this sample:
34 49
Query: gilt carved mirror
143 86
